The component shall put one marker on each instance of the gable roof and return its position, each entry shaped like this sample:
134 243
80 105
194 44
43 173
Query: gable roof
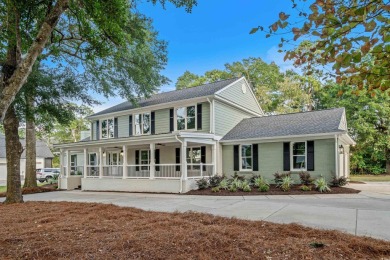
171 96
304 123
42 149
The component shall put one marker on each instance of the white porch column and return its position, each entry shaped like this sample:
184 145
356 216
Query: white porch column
124 162
152 160
100 162
214 158
62 161
68 163
184 159
85 162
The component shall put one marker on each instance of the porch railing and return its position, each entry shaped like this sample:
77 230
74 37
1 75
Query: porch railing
92 171
112 171
77 170
201 170
167 171
138 171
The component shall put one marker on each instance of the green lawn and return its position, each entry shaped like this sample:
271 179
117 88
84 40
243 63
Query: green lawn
369 178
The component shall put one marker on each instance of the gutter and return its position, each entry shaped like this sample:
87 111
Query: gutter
181 177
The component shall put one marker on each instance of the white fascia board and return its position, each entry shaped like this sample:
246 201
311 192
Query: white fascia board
184 134
200 140
228 86
345 138
280 138
254 96
184 102
230 103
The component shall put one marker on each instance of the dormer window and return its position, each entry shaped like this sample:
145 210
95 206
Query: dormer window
185 118
142 124
107 128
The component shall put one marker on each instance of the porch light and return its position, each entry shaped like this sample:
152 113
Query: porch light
104 153
121 152
341 149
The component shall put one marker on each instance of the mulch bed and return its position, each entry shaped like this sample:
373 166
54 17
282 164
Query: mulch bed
39 189
272 191
64 230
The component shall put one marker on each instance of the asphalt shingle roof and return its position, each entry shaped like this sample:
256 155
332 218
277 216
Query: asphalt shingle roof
171 96
42 149
305 123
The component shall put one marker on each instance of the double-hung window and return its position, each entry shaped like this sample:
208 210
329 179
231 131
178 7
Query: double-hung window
185 118
144 159
246 157
298 156
107 128
194 158
142 124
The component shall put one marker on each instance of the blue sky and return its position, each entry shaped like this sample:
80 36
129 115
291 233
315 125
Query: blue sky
215 33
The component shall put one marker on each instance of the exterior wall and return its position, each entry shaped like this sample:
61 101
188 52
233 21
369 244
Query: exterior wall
235 94
93 132
271 160
162 121
205 117
123 126
227 117
69 183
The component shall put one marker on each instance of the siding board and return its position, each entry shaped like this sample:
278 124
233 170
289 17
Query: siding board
123 126
227 117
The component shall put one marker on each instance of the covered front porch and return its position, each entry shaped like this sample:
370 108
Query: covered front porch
167 165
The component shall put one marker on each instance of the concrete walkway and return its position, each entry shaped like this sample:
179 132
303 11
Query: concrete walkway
366 213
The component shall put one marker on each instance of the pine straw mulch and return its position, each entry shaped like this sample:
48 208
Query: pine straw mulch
295 190
64 230
39 189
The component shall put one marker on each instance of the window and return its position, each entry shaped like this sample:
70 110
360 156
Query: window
107 128
185 118
246 157
92 159
299 156
142 124
193 157
145 159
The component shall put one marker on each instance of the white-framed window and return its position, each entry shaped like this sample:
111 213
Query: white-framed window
107 128
246 157
298 156
142 124
144 159
194 156
92 159
186 118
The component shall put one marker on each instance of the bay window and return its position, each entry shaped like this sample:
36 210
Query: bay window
142 124
246 157
107 128
185 118
298 159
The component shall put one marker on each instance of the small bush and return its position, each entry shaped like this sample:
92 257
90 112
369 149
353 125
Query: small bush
215 189
232 188
253 179
260 181
236 183
202 183
278 177
339 182
237 177
305 188
264 188
305 178
224 184
245 186
321 185
215 180
286 183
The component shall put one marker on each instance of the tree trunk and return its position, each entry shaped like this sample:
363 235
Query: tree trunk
14 83
14 150
31 178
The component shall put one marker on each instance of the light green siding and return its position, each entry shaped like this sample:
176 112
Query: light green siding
235 94
227 117
93 132
271 160
205 117
162 121
123 126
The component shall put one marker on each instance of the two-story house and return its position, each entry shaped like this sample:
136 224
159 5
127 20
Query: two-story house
165 142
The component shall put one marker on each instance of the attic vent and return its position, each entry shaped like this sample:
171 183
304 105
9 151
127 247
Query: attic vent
243 87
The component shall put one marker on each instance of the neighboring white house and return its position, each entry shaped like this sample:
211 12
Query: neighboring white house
44 158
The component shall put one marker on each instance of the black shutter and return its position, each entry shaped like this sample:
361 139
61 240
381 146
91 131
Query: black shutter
171 117
153 127
130 125
203 156
310 155
97 130
157 158
137 160
115 127
199 116
255 157
286 156
177 159
236 158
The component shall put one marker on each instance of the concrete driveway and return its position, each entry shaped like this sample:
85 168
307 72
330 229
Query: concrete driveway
365 214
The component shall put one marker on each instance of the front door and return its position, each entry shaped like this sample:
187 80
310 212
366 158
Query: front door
114 160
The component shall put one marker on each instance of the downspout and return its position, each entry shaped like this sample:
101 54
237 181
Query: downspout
181 177
211 115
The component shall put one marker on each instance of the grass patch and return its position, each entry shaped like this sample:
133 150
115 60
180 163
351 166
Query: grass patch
368 178
98 231
3 188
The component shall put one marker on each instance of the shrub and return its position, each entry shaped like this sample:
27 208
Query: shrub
215 189
202 183
339 182
253 179
260 181
278 177
286 183
232 188
321 185
305 188
264 188
215 180
245 186
224 184
236 176
237 184
305 178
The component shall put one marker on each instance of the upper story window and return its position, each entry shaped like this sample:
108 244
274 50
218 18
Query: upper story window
185 118
246 157
107 128
142 124
298 156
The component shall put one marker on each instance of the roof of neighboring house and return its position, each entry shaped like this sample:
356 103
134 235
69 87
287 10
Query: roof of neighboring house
43 150
304 123
171 96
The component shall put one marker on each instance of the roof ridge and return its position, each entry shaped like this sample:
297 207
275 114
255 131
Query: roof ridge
294 113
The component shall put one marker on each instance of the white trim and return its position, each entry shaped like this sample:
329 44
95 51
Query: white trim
253 95
212 123
142 124
336 152
185 118
228 86
231 103
101 128
292 156
240 158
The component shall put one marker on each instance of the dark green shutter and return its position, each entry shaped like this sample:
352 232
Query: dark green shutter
130 125
157 158
236 159
97 130
177 159
286 156
255 157
137 160
115 127
153 125
171 119
203 156
310 155
199 116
